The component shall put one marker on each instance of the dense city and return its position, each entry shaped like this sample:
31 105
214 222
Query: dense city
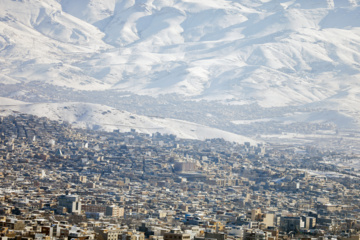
58 182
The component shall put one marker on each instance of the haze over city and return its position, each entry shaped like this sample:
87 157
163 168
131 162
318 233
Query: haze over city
179 119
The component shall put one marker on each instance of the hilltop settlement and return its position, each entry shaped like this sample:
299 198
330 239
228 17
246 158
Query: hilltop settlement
57 182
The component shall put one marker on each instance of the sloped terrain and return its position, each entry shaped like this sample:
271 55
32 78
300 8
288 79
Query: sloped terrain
275 53
99 117
278 54
38 41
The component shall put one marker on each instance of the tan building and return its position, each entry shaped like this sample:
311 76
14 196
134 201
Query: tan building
132 236
114 211
254 214
107 234
266 218
176 234
216 225
95 208
79 179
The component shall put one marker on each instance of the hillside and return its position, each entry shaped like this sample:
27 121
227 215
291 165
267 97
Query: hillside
295 62
275 53
99 117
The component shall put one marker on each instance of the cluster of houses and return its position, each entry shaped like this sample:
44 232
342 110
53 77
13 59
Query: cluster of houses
57 182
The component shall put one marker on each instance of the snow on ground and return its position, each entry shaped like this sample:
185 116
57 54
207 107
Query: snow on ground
9 101
274 53
100 117
245 122
340 118
346 163
327 174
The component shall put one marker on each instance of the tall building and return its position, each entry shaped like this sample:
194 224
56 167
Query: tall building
72 203
114 211
265 218
93 208
79 179
288 224
185 166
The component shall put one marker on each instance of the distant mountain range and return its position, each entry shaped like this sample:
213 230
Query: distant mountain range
274 53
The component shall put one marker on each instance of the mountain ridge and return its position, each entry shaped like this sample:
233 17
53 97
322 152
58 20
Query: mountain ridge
100 117
282 56
275 53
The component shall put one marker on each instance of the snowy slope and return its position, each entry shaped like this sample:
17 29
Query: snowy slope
38 41
340 118
10 102
100 117
275 53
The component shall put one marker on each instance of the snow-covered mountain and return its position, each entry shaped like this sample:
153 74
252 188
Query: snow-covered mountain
299 60
100 117
273 52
